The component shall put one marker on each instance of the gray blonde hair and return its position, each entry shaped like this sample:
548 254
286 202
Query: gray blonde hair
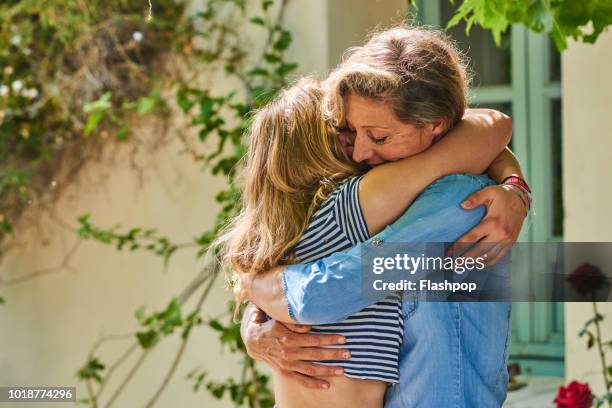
418 70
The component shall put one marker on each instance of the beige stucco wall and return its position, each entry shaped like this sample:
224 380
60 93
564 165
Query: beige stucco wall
587 162
352 20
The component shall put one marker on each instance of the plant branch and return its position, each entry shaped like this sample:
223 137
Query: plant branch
64 264
91 394
183 345
116 365
602 355
206 274
277 23
128 378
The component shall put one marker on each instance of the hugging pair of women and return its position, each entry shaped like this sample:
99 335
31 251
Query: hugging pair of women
383 149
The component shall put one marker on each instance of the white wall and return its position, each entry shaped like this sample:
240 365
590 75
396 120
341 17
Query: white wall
587 162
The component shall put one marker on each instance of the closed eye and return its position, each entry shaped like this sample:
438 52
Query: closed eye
376 140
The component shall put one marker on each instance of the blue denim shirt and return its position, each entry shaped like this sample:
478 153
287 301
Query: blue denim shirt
454 354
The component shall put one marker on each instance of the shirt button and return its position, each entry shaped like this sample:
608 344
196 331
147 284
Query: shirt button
377 241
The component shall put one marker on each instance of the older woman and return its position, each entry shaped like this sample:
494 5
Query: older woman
395 97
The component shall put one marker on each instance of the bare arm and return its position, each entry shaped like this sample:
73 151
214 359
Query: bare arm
266 291
386 191
504 165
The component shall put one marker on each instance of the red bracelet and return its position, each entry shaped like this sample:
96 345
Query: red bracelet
517 181
522 185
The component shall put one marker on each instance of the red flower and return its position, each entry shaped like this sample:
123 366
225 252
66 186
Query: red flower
575 395
587 278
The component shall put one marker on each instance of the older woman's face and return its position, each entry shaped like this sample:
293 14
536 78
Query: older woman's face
377 134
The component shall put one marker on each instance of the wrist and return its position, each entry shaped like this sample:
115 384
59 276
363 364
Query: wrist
521 196
520 186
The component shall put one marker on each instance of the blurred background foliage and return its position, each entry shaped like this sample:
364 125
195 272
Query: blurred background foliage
69 69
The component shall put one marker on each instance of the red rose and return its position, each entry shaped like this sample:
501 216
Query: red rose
587 278
575 395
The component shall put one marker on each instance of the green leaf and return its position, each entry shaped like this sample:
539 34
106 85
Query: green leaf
147 339
183 100
266 4
259 72
2 301
590 341
146 105
140 313
100 105
92 122
459 15
258 20
172 314
285 68
272 58
215 325
122 132
284 41
91 370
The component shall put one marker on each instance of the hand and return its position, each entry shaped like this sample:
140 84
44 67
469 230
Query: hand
287 348
500 227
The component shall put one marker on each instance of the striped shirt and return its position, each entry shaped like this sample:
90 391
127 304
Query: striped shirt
374 335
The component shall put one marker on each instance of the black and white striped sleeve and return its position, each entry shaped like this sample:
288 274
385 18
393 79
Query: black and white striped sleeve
348 214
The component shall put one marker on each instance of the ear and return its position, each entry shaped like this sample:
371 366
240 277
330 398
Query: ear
439 127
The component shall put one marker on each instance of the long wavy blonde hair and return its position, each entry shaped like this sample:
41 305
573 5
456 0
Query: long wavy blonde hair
294 161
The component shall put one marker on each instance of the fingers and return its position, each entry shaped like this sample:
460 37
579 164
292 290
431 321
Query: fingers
474 235
304 380
494 259
318 354
311 369
298 328
490 249
481 197
490 252
294 340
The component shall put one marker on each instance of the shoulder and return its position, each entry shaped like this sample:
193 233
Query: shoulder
347 211
345 188
338 219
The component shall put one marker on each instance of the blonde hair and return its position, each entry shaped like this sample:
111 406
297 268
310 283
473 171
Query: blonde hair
418 70
294 161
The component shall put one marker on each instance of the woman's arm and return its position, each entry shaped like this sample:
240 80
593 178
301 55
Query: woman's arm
267 292
329 289
505 165
470 147
507 206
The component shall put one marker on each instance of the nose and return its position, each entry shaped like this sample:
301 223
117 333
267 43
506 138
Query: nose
362 149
